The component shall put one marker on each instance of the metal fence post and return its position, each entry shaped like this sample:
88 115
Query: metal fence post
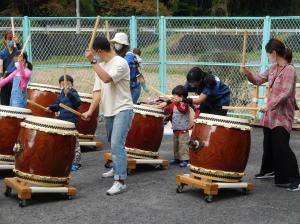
133 32
264 58
162 54
26 34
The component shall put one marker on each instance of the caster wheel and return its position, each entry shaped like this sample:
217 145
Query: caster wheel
159 166
107 164
245 191
179 188
68 197
129 172
7 192
22 203
208 198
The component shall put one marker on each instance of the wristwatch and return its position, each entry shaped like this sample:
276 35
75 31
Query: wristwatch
94 61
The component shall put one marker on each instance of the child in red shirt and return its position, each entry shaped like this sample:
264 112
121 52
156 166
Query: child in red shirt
179 116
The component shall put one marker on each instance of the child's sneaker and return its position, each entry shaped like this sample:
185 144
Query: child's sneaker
174 162
74 168
184 163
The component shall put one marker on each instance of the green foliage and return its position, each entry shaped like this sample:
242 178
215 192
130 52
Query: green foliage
148 7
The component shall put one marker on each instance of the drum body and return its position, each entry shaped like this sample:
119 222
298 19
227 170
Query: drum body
87 129
44 151
10 119
43 95
219 148
146 132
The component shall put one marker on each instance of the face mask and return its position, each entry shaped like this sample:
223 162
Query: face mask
98 58
10 44
17 65
271 59
192 85
118 47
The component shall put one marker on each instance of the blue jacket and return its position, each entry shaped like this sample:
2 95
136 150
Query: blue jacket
8 60
216 97
71 100
132 62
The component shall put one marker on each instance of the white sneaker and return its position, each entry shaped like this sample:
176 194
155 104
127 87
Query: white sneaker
109 173
116 188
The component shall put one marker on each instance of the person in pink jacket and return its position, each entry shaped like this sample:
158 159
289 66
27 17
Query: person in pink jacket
20 78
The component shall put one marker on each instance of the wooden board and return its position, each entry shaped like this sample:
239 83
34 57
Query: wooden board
209 187
97 144
131 162
25 191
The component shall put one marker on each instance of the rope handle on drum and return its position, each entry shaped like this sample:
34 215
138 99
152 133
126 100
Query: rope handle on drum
38 105
70 109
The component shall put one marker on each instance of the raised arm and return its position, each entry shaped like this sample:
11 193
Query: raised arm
256 79
25 74
8 79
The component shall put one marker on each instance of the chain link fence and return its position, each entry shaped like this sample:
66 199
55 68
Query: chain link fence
170 46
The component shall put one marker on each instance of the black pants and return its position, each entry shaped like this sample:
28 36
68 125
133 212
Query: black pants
278 156
5 94
209 110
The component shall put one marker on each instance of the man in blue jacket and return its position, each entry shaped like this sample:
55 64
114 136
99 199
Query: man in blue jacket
7 64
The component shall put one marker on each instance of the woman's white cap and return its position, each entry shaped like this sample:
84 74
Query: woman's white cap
120 38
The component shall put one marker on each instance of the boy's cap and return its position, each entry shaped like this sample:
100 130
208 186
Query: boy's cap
120 38
69 78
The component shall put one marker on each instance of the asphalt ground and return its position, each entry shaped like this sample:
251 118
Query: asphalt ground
151 196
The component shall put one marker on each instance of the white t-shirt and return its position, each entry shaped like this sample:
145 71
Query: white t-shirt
116 95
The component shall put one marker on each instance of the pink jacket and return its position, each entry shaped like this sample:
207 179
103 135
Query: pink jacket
25 75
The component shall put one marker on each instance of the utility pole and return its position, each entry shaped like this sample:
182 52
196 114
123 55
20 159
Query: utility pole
78 15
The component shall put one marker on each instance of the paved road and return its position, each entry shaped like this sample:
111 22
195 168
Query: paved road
151 197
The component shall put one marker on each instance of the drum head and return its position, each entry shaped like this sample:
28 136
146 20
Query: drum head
7 111
50 125
147 109
86 97
44 87
223 121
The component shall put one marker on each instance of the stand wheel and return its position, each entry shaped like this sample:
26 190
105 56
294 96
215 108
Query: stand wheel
245 191
22 203
7 192
179 188
158 166
108 164
208 198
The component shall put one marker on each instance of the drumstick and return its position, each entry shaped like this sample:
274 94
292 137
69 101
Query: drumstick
65 77
107 29
245 43
70 109
157 91
13 29
240 108
94 33
38 105
23 49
